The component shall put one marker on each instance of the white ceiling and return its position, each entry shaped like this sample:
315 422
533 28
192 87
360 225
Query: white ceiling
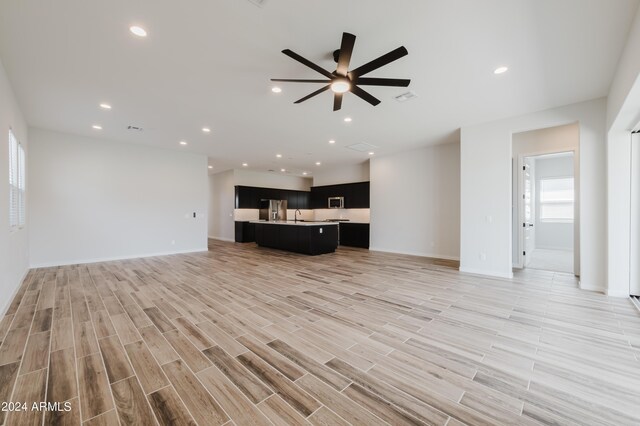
208 63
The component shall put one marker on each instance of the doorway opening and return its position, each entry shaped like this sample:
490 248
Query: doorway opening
545 200
547 213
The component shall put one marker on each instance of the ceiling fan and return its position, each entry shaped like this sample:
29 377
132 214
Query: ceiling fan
342 80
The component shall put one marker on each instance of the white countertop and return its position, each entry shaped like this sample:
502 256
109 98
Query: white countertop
291 222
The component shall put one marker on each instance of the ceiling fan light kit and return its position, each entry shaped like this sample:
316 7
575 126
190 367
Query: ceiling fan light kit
342 80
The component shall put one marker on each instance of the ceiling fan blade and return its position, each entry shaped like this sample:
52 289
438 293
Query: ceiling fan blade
308 63
346 49
394 82
365 95
337 101
288 80
379 62
317 92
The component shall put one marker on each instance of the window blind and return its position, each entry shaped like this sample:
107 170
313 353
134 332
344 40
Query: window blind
21 186
14 190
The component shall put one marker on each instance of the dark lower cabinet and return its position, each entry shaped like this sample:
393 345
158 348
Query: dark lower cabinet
245 232
311 240
354 234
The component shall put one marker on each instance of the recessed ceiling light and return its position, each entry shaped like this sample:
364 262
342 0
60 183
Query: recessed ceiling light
332 141
206 129
347 119
318 163
501 70
97 127
282 170
244 164
139 31
276 89
211 167
305 173
371 153
183 143
279 155
105 106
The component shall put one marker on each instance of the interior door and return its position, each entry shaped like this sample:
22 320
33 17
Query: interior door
527 210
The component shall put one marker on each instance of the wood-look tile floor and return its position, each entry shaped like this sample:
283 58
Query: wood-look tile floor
249 336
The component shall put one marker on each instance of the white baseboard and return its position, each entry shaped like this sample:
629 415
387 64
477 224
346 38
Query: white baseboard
486 273
111 259
413 253
3 311
624 294
229 240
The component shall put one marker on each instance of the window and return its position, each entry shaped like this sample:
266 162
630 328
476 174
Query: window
556 200
17 183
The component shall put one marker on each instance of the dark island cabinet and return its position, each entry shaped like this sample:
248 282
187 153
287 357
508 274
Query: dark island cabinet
312 240
245 232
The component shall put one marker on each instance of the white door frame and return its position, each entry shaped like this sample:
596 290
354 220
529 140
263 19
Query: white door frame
634 246
519 262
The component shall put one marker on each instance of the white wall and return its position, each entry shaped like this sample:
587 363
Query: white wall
221 206
93 200
344 174
625 78
623 112
270 180
557 236
14 246
486 189
415 202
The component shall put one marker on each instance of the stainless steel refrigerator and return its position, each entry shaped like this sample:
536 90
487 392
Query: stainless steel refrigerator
273 210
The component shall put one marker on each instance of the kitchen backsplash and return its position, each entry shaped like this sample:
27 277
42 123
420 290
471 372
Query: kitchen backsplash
354 215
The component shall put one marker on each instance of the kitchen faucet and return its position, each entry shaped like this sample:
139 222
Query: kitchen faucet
295 215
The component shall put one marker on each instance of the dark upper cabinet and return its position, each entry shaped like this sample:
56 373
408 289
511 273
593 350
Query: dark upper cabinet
292 199
314 198
248 197
245 197
356 195
304 200
360 195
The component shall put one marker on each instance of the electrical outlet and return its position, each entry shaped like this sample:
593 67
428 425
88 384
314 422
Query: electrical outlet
173 242
483 256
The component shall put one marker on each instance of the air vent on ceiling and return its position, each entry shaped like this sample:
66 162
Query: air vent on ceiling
258 3
361 147
406 96
134 128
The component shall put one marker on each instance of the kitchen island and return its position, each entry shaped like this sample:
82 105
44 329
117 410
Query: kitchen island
300 237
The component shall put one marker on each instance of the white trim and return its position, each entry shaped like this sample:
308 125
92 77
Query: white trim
110 259
608 292
474 271
229 240
553 248
15 291
413 253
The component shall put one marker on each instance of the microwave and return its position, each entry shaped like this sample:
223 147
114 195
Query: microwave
336 202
